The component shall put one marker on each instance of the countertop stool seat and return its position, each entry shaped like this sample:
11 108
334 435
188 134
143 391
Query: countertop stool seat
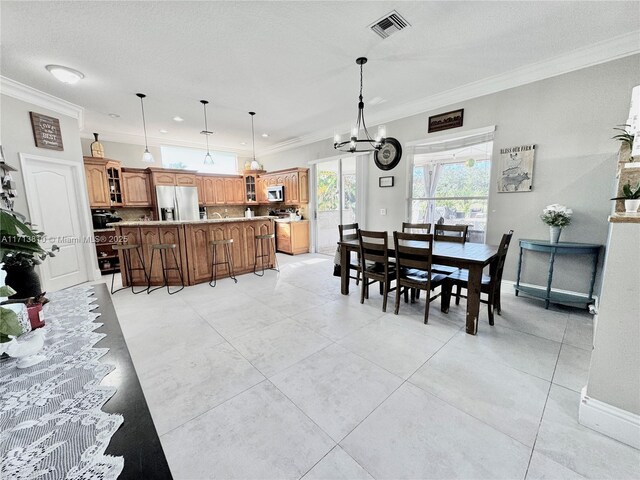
268 239
228 259
126 249
162 249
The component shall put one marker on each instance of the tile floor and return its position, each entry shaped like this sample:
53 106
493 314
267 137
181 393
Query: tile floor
281 377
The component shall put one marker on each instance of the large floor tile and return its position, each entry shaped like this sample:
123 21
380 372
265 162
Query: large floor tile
525 352
233 322
580 331
275 347
336 388
334 320
257 435
572 370
591 454
189 380
414 435
394 348
438 327
530 316
337 465
507 399
543 468
291 300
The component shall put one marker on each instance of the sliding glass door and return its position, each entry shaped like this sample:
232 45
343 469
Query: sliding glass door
337 191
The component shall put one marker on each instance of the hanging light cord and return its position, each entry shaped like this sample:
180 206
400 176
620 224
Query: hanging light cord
144 125
253 136
206 127
361 112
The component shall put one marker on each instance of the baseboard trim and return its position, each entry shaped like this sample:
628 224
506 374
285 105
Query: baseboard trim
609 420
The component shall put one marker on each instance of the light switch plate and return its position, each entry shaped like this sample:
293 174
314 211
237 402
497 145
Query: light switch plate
383 211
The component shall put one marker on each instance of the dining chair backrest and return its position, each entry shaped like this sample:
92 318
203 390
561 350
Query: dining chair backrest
348 231
497 266
450 233
416 227
373 247
413 250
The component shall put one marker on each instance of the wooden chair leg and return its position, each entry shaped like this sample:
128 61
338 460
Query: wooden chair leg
427 303
414 292
445 299
398 293
490 306
417 293
458 293
385 293
363 289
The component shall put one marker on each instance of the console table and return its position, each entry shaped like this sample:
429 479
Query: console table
553 249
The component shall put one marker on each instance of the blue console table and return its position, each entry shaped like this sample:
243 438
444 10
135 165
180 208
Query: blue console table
553 249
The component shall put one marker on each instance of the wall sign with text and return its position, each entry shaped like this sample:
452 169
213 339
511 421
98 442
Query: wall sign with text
46 131
515 169
445 121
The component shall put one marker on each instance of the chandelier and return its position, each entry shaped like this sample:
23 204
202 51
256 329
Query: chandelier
355 143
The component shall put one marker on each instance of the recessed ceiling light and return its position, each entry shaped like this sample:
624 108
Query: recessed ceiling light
162 130
243 143
178 119
65 74
265 135
114 115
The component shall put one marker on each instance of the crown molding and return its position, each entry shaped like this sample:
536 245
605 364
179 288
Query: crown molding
29 94
132 139
611 49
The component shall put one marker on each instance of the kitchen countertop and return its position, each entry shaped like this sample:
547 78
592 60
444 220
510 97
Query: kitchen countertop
156 223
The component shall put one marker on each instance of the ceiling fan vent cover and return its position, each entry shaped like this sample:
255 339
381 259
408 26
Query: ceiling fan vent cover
389 24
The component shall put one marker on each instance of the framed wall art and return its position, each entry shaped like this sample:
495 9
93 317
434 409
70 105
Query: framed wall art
445 121
515 169
386 181
46 131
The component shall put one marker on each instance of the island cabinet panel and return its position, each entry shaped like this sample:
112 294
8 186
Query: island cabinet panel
199 254
148 237
236 233
136 190
174 235
131 235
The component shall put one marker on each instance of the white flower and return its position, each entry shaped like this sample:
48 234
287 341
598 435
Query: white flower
557 208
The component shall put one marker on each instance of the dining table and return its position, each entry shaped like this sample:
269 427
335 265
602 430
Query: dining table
473 257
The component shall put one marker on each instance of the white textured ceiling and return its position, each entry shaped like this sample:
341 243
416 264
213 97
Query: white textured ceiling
291 62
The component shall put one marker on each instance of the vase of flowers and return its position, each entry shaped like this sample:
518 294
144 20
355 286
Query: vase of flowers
557 217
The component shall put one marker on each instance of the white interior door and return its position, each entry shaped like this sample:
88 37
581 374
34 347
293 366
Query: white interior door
52 192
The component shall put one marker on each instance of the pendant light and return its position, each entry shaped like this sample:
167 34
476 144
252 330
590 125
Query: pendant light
208 160
355 143
254 164
146 156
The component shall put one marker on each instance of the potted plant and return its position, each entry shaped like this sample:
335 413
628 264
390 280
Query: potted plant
20 252
557 217
626 140
9 324
631 197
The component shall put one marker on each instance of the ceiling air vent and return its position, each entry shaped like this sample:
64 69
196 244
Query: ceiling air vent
389 24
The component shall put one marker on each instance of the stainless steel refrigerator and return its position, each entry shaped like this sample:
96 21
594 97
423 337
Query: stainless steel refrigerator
177 203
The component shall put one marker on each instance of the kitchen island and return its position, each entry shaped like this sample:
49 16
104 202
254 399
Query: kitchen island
193 251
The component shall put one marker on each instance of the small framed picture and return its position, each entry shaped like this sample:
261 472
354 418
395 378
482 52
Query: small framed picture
445 121
385 181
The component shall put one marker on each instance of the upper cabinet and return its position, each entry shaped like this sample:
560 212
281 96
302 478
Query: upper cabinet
294 180
95 171
114 181
135 188
252 186
221 190
172 177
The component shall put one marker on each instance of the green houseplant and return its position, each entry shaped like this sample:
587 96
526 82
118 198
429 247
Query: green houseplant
631 197
625 138
20 252
9 324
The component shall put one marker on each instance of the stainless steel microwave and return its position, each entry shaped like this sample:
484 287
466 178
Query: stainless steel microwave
275 193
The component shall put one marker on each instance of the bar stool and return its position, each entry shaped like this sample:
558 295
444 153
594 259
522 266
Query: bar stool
260 240
228 260
128 269
162 249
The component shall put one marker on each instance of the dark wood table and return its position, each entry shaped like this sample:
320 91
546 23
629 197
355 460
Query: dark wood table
471 256
136 440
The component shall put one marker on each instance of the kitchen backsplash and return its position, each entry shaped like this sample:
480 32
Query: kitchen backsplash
133 214
226 211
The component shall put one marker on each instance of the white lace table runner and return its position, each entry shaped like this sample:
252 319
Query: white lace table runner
51 422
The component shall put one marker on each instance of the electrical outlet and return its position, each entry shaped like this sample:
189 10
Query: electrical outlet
383 211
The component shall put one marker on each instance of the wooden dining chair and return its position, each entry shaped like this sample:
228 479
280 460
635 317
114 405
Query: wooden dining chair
374 260
413 267
449 233
416 227
348 232
490 284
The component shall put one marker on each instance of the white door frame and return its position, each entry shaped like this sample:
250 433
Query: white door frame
82 200
363 160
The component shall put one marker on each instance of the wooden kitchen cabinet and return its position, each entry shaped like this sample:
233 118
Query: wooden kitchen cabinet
219 197
200 187
135 188
95 171
114 183
163 178
294 180
292 237
185 180
261 190
303 185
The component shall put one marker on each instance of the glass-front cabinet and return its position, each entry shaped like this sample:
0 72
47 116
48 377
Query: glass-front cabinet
114 182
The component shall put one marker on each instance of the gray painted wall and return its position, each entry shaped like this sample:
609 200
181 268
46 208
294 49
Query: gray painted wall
17 137
568 117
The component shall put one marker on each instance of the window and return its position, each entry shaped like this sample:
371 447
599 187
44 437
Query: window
450 184
193 159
